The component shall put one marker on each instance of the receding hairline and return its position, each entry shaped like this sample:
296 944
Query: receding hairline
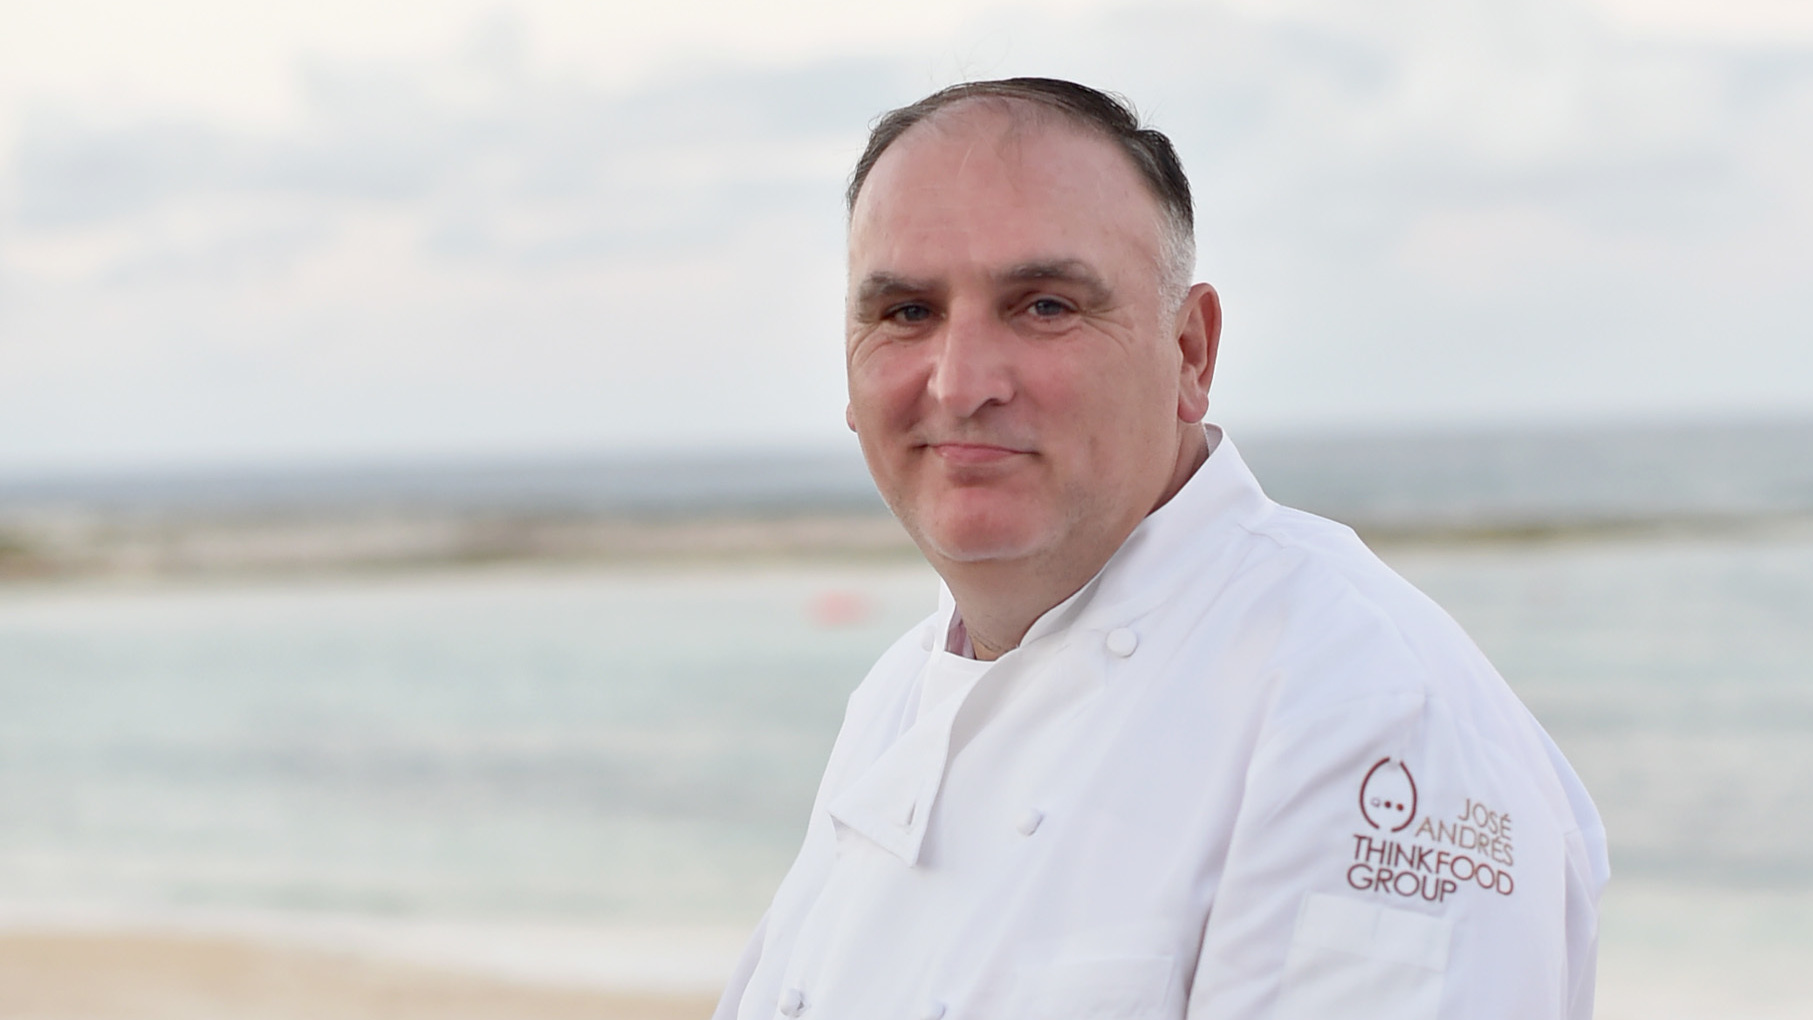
1023 116
1044 104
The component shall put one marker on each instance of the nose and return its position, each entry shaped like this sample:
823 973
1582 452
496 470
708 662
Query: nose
971 364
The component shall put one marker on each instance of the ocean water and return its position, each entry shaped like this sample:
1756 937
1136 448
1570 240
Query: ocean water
618 751
590 745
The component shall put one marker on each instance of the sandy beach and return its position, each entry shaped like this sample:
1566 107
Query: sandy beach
145 976
131 975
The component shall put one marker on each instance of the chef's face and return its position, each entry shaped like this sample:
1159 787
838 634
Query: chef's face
1015 374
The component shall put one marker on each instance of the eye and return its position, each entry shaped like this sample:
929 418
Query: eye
908 313
1047 308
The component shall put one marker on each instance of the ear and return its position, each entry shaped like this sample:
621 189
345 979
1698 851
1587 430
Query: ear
1198 339
850 417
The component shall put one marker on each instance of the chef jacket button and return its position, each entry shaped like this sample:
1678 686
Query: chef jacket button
793 1002
1122 641
1028 822
925 639
934 1011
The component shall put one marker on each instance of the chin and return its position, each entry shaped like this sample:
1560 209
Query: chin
979 538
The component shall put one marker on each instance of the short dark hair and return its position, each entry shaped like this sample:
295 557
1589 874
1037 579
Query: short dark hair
1113 116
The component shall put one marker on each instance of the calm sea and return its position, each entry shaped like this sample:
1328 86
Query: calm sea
629 750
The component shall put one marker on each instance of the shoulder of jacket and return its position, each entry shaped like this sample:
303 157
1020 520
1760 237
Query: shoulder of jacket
1346 626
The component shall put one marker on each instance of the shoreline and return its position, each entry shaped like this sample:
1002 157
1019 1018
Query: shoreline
69 975
614 958
1669 951
95 963
72 546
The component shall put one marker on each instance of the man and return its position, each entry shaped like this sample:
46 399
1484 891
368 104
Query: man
1166 749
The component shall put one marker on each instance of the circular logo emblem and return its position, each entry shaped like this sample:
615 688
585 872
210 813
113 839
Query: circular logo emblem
1388 796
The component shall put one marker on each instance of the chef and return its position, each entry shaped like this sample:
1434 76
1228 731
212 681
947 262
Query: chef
1166 749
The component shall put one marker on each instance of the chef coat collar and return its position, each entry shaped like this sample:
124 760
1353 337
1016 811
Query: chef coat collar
890 802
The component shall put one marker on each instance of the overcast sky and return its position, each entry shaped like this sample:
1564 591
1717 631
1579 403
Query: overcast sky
252 233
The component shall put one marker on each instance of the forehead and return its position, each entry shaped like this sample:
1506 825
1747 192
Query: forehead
985 184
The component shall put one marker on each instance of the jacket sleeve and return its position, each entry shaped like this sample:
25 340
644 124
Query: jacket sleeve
1390 862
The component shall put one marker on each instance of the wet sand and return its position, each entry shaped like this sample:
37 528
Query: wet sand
83 976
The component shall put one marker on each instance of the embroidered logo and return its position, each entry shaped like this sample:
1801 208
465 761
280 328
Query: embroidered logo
1441 856
1388 796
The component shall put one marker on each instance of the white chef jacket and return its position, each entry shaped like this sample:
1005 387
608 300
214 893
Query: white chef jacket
1246 772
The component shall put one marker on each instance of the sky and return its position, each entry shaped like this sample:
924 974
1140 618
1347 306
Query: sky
246 233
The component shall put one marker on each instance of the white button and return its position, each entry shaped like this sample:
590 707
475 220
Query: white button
925 639
1122 642
1029 820
935 1011
793 1003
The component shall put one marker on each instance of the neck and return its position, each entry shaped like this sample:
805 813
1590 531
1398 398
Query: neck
1000 600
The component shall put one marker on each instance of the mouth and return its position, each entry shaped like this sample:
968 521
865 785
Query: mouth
974 454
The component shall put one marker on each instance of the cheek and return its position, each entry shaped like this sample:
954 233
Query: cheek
1062 386
1101 402
885 390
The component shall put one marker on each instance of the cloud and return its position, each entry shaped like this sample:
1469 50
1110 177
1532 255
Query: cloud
518 262
1493 211
1429 212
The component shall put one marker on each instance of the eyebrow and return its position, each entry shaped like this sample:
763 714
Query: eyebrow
881 284
1073 271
